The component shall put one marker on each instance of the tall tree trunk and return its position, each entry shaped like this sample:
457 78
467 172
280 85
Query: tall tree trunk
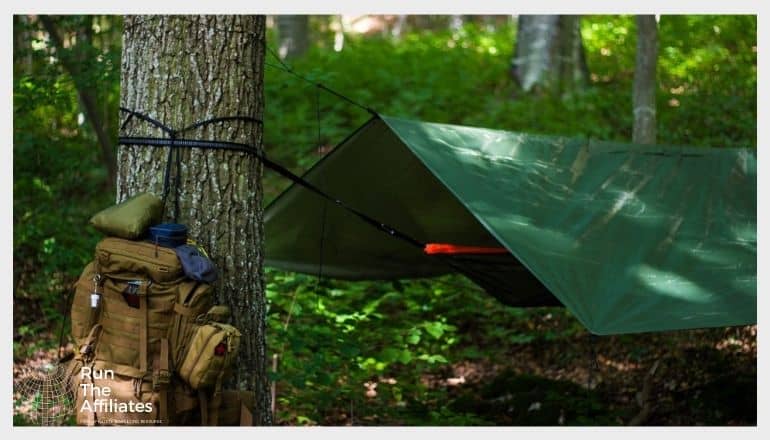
456 22
549 54
88 97
293 35
399 27
181 69
644 79
22 39
20 43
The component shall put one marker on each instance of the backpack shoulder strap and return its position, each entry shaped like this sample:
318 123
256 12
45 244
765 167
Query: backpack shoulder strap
203 398
211 404
143 331
161 378
246 417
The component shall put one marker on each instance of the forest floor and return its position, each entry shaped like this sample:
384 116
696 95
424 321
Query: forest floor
701 377
685 378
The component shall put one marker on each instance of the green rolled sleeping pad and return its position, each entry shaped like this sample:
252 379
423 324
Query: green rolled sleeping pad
130 219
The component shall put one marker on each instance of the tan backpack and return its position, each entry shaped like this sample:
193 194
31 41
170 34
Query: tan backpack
150 347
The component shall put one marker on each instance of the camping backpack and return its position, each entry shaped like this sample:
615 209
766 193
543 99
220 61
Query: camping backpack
150 347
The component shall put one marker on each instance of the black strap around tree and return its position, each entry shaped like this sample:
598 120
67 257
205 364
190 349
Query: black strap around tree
175 143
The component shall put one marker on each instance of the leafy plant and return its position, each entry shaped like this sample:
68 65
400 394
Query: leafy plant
375 352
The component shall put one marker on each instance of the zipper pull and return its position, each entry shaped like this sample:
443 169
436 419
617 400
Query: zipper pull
95 298
95 295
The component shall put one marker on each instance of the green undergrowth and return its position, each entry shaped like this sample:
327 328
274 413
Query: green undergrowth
335 337
373 353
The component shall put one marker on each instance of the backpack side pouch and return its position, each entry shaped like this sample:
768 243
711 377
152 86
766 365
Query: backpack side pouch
209 355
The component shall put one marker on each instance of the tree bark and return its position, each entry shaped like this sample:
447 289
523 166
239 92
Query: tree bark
549 54
179 70
644 79
22 38
293 35
88 97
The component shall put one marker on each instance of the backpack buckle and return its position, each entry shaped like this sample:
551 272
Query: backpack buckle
160 379
86 353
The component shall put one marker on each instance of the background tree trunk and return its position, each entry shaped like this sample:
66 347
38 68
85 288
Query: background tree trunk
644 79
549 54
292 35
181 69
399 26
456 22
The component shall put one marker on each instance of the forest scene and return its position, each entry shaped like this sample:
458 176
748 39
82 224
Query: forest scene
316 350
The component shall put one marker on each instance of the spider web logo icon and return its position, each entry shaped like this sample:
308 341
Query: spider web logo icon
43 395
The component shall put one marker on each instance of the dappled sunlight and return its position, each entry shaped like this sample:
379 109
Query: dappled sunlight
718 256
611 238
671 284
577 231
745 235
738 342
622 365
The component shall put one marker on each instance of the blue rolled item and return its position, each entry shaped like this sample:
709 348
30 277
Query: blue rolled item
195 265
168 234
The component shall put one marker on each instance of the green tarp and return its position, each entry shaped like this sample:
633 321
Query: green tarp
629 238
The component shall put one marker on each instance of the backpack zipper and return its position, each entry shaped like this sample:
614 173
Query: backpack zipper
149 261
